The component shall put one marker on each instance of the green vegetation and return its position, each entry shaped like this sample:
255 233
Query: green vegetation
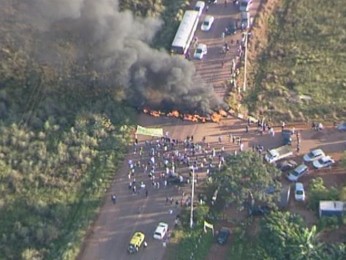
170 12
187 241
283 235
301 73
53 178
245 176
62 137
318 191
61 141
243 246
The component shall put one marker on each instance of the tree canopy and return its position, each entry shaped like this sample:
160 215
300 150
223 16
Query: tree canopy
285 236
245 175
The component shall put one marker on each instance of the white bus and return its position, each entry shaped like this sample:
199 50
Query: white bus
185 32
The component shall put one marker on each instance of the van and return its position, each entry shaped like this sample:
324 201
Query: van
245 20
245 5
199 7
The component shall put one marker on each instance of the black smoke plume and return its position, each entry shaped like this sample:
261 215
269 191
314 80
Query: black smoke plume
113 47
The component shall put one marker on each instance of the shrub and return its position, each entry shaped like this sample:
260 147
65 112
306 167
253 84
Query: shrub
318 192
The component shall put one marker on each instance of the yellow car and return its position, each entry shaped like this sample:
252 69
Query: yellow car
136 242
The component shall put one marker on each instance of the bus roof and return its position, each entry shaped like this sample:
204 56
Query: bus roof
185 28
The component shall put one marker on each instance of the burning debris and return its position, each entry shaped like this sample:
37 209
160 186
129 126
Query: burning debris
215 117
113 49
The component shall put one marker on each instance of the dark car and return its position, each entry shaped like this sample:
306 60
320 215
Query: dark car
231 28
258 210
284 197
341 127
287 165
175 179
287 136
223 235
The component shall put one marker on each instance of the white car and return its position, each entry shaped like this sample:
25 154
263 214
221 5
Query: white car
313 155
161 230
245 20
324 161
299 193
245 5
207 23
297 172
200 51
199 7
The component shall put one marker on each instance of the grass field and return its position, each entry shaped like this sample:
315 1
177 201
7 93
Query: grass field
301 72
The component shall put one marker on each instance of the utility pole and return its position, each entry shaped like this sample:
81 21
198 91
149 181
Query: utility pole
245 60
192 195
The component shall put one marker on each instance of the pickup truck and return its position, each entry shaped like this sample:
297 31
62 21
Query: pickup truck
279 153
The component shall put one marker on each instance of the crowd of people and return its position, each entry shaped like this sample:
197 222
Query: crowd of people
159 163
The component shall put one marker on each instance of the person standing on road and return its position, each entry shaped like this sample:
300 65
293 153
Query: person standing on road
114 198
146 193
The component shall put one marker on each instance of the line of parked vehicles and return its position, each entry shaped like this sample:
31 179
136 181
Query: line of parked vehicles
244 23
316 157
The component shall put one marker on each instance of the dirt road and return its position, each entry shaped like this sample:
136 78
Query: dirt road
110 234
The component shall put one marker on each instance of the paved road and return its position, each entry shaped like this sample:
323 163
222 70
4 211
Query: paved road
211 68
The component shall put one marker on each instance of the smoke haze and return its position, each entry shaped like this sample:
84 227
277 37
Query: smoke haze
114 47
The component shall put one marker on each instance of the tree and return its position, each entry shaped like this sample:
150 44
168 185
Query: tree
285 236
245 176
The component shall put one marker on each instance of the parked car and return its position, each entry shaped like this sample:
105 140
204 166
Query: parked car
278 153
287 136
299 192
245 5
199 7
212 2
231 28
313 155
200 51
297 172
207 23
323 162
285 195
222 235
258 210
161 230
341 126
287 165
136 242
175 179
245 20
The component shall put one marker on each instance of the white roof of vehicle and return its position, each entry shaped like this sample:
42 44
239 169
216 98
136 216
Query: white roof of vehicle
299 186
161 226
300 168
208 18
201 46
332 205
200 4
317 152
185 28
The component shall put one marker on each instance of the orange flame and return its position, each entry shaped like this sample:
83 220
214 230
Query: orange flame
174 113
215 117
223 113
155 113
